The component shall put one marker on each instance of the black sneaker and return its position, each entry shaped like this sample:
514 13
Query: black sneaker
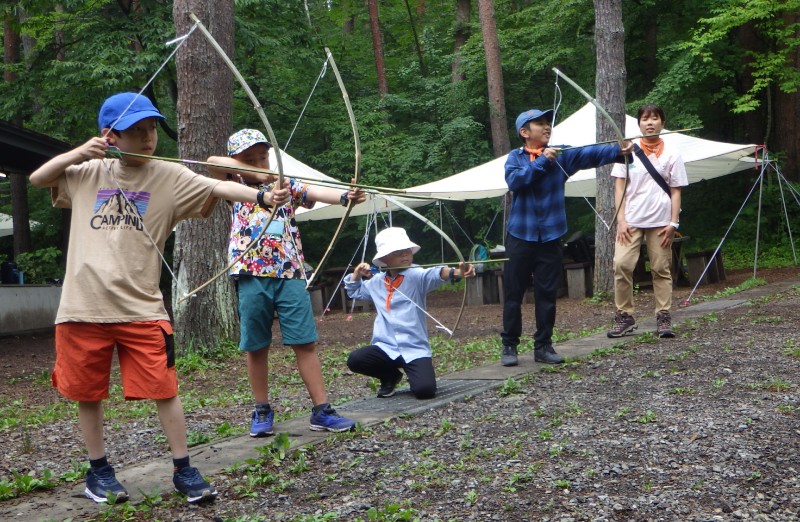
664 324
509 356
546 354
188 481
624 324
387 388
102 486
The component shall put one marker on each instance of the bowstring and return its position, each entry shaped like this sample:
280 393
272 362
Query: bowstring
364 241
438 323
308 100
557 99
180 41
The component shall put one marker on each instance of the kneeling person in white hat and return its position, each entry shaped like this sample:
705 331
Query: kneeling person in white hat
400 333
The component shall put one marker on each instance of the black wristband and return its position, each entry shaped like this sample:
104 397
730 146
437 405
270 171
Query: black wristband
343 199
260 198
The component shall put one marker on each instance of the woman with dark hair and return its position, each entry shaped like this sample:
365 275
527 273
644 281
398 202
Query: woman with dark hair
648 208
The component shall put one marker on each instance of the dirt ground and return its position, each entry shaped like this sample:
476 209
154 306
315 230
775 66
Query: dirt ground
26 360
633 446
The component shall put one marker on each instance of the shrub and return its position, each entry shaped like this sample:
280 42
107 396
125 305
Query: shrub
40 265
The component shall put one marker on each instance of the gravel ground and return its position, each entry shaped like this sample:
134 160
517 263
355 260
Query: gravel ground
701 427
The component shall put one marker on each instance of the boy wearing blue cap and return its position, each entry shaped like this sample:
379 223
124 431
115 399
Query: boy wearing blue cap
270 278
536 174
123 210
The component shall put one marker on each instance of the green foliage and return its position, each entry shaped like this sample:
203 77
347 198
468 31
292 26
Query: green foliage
40 265
774 23
428 126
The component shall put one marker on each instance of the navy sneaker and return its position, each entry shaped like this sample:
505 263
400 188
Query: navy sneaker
387 388
262 423
188 481
102 486
509 356
326 419
546 354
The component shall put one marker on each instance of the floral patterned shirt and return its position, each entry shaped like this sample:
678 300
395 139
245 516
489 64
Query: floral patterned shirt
279 252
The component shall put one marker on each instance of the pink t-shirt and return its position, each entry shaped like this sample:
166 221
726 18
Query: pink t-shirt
647 205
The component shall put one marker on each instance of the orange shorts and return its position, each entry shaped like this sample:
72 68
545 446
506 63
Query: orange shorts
146 354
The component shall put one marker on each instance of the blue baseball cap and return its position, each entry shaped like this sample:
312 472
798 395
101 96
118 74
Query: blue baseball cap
131 106
533 114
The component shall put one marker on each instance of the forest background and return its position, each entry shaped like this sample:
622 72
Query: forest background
426 107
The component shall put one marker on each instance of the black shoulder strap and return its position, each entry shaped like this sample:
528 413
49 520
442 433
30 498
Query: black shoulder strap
651 169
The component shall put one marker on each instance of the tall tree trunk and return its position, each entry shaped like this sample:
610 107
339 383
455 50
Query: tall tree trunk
423 69
18 181
610 92
461 34
377 47
756 126
205 96
494 79
651 46
787 115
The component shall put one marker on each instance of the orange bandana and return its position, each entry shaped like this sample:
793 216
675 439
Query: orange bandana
655 148
391 284
535 153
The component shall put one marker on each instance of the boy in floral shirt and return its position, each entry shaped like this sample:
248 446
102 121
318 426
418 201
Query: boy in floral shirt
270 277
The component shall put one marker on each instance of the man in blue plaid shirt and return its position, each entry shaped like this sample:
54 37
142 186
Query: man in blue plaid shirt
536 174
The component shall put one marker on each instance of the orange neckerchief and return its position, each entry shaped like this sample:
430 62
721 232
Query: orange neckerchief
535 153
391 284
656 148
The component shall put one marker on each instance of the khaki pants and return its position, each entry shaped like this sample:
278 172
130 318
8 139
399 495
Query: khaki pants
625 258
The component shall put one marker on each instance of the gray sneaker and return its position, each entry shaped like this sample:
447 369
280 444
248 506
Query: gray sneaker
664 324
509 357
546 354
624 324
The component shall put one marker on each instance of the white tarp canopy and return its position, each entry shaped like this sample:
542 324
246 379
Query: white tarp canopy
704 160
7 225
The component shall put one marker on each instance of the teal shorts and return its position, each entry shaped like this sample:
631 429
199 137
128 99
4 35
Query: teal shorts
260 297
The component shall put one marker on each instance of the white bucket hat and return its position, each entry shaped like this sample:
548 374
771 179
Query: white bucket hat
391 240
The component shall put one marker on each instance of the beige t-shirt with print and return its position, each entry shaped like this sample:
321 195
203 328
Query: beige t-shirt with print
113 268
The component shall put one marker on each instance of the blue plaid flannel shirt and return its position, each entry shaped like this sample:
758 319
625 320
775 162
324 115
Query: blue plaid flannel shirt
538 211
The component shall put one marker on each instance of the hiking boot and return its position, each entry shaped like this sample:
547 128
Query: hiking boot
102 486
509 357
546 354
387 388
188 481
326 419
262 423
664 324
624 324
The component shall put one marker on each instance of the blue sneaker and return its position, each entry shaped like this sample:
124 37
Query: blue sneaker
262 423
326 419
188 481
102 486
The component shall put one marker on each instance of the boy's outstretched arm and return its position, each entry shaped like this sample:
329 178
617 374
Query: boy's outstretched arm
335 196
220 172
233 191
47 175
